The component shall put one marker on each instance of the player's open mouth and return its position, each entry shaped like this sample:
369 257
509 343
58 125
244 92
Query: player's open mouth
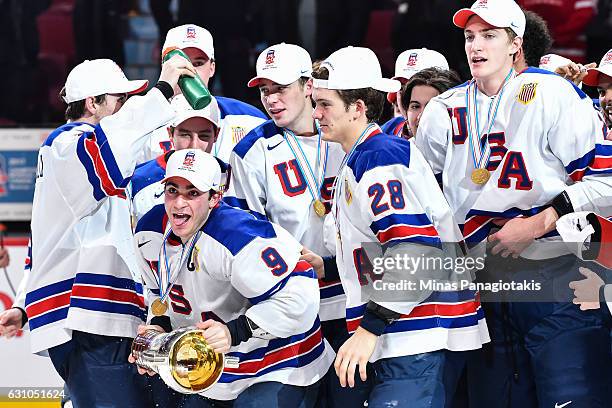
276 111
180 219
477 60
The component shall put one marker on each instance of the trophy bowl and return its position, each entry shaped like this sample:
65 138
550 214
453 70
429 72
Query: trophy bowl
182 358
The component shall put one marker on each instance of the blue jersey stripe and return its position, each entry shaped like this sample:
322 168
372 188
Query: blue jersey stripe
108 307
399 219
107 280
331 291
298 361
49 290
434 322
49 317
88 165
109 159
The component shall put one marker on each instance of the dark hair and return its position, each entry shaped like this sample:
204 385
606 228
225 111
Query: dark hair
302 80
76 109
439 79
374 100
536 40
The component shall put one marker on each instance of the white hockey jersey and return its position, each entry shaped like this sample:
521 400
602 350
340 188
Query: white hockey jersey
85 272
237 119
387 193
545 138
244 266
268 181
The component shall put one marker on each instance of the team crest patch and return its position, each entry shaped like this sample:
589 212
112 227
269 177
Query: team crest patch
348 195
270 57
608 58
412 59
527 93
238 132
191 33
189 159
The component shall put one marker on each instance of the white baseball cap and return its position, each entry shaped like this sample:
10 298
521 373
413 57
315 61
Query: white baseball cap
605 67
550 62
412 61
282 63
184 111
196 166
355 68
98 77
189 36
498 13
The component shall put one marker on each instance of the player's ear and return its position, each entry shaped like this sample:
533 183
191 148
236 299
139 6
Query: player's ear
360 109
90 105
213 67
516 45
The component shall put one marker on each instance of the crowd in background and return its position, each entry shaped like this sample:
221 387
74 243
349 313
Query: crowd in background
582 31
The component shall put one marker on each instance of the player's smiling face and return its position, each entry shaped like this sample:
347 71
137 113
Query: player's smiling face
488 49
194 133
604 87
187 207
285 104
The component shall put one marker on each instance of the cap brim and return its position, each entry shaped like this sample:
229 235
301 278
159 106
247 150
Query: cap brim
461 17
592 77
392 97
133 87
387 85
281 81
192 114
201 187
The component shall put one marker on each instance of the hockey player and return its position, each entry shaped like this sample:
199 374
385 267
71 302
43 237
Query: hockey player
416 93
407 64
83 298
237 118
239 279
190 129
517 151
283 170
601 77
385 192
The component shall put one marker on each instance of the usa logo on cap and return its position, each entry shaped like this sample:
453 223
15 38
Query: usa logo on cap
270 57
191 33
545 60
608 58
481 3
189 159
412 59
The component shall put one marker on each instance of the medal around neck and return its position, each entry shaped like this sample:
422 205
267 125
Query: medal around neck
182 358
480 176
319 208
158 308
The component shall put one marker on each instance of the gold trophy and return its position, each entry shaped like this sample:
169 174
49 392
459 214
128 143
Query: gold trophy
182 358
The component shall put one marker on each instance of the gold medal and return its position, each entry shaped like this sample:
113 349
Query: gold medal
158 307
319 208
480 176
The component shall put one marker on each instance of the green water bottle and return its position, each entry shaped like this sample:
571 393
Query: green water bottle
193 88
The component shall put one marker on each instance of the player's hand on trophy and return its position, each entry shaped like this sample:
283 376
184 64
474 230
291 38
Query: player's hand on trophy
173 69
217 335
141 330
10 322
356 351
586 291
315 261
